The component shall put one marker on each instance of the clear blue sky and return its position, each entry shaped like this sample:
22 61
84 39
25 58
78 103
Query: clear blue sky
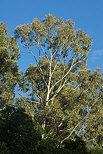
87 15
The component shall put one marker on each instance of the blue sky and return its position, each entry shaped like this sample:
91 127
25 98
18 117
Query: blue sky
87 15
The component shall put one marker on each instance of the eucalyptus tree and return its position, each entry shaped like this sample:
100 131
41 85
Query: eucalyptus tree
57 80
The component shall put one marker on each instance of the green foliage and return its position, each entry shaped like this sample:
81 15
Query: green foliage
65 97
95 150
61 97
54 34
18 132
9 74
48 145
4 148
77 146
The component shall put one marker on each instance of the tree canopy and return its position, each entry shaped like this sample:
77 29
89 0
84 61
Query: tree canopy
9 73
62 97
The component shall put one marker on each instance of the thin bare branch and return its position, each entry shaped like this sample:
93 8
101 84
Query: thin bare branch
44 52
77 86
61 122
35 102
42 74
64 130
71 132
31 52
54 69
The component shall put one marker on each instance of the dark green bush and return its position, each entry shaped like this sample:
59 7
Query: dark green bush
18 133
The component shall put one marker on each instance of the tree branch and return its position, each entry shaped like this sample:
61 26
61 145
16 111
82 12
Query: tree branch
71 132
39 67
58 90
49 82
61 122
54 69
63 76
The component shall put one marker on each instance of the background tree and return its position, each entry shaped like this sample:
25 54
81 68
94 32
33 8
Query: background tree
91 86
9 54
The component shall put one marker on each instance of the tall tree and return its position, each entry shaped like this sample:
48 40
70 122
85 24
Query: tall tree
61 90
58 42
9 53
